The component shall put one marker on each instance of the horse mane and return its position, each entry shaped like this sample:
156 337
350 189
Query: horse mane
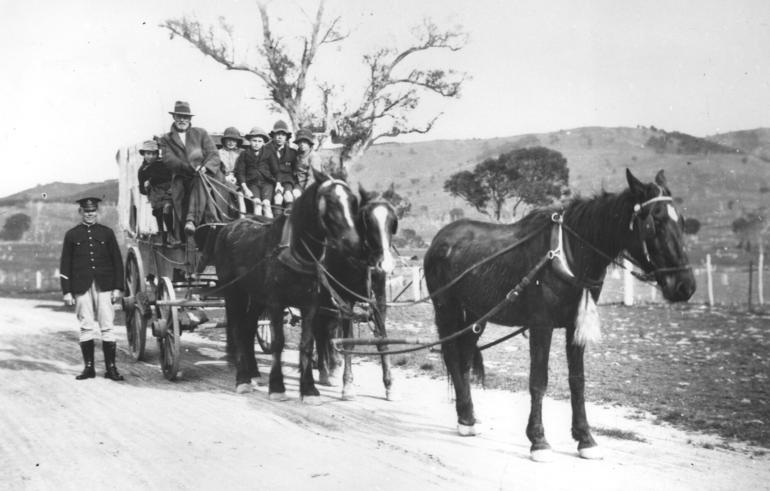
303 218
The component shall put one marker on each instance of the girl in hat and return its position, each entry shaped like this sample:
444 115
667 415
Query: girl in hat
155 182
307 159
255 173
228 154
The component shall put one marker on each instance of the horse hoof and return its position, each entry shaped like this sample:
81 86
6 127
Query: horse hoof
278 396
466 430
311 400
260 381
243 388
348 394
326 381
544 455
591 453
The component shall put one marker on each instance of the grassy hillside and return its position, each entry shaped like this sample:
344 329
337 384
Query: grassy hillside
714 187
66 192
715 181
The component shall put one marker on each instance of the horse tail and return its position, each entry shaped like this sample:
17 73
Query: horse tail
477 366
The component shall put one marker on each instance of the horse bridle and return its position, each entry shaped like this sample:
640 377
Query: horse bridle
646 229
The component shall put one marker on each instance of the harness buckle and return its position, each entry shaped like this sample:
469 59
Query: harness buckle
556 218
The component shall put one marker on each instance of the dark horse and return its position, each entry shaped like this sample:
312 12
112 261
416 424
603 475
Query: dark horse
640 220
376 224
260 275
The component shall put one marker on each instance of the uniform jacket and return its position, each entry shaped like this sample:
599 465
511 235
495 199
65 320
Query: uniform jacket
198 149
285 162
90 254
254 167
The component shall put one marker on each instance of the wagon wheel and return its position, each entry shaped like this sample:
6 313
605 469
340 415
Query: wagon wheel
265 333
168 329
136 321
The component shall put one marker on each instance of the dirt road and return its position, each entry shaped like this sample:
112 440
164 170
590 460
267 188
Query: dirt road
147 433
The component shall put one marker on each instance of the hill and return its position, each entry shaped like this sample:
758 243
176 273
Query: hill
65 192
716 178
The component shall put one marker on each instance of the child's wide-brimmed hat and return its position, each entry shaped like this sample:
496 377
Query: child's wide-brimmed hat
280 126
233 134
148 146
257 131
305 135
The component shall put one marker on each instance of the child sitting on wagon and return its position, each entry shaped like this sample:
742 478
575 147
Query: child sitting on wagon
155 182
230 151
307 159
255 173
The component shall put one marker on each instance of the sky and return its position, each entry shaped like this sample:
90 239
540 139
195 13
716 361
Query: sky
83 78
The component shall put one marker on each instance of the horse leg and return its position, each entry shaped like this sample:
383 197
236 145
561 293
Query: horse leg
539 349
449 317
348 391
581 431
276 388
307 389
379 321
235 308
251 323
321 326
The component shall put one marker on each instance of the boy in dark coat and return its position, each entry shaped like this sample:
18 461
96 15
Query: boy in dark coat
255 172
285 162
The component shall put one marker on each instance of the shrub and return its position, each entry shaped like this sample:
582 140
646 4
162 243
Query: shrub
15 226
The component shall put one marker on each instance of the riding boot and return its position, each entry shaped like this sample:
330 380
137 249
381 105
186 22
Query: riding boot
87 348
109 360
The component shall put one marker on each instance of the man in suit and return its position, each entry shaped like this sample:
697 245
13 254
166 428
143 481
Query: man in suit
188 151
91 279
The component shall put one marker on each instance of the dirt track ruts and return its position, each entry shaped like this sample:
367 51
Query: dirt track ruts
148 433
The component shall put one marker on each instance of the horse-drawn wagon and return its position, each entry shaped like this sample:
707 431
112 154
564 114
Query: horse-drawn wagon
166 284
173 287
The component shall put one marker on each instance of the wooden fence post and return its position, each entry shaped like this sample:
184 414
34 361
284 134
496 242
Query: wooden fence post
416 283
628 284
38 280
709 280
751 280
760 277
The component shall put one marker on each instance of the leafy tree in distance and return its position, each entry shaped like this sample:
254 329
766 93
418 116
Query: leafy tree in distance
691 226
15 226
534 176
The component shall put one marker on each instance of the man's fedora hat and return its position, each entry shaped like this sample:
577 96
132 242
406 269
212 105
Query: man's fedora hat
181 108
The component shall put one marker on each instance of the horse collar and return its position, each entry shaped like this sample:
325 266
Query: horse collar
556 254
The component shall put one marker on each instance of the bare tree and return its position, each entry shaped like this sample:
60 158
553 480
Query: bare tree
284 76
387 105
391 95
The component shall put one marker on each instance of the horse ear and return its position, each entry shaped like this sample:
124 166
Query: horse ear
660 179
319 176
365 196
634 184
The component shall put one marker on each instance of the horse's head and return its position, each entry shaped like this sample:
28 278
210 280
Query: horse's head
377 223
337 209
656 239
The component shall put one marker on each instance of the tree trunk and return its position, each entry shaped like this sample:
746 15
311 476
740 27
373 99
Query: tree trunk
760 273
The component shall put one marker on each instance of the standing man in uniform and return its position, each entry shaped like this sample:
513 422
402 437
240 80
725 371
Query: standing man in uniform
91 279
